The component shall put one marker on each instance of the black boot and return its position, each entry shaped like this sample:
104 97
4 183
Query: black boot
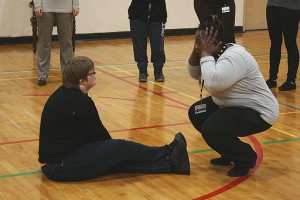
220 161
179 159
240 169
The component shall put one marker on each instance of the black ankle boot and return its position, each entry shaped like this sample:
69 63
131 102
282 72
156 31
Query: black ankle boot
179 159
271 83
240 169
220 161
287 86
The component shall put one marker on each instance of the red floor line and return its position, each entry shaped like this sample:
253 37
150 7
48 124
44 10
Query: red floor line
121 130
144 88
117 98
34 95
241 179
252 138
146 127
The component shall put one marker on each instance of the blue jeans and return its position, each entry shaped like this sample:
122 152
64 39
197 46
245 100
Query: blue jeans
109 156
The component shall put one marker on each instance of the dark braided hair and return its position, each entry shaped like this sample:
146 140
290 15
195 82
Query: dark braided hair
215 22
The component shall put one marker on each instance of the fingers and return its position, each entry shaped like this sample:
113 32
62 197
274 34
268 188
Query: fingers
75 11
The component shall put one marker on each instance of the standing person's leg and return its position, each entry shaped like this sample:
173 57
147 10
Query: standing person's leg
275 34
45 28
158 58
203 9
290 31
228 19
95 159
139 37
222 129
64 22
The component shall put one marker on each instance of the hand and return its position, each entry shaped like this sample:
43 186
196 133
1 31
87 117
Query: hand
38 11
75 11
197 42
208 44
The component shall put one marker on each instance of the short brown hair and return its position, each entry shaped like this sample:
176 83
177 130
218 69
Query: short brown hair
77 68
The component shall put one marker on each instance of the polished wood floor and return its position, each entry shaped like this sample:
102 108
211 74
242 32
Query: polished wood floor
150 113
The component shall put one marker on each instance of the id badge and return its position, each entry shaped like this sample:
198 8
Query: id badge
225 9
200 108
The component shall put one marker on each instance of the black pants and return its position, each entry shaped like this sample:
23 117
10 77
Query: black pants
221 127
140 31
203 9
283 21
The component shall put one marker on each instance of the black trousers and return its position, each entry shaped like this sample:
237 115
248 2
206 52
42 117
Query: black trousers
283 21
221 127
140 31
203 9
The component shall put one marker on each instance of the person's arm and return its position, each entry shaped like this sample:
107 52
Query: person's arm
230 68
38 9
75 7
193 62
90 122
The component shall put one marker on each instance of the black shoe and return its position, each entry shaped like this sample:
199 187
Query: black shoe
220 161
159 77
287 86
179 159
143 77
271 83
42 82
179 136
240 169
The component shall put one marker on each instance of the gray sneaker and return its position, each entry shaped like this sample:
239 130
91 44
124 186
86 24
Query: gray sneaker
159 77
143 77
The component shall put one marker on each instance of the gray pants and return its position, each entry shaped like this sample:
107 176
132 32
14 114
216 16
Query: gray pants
140 31
64 23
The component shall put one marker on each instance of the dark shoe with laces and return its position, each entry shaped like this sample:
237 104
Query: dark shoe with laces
159 77
220 161
179 159
240 169
271 83
143 77
42 82
286 86
179 136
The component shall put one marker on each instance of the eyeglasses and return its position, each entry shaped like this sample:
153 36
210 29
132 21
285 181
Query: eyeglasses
92 73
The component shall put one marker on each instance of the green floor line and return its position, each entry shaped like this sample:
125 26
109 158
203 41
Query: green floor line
21 174
281 141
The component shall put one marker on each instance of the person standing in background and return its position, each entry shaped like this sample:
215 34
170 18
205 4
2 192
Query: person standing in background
225 9
148 19
49 12
283 18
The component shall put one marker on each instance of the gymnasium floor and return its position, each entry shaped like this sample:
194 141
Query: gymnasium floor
150 113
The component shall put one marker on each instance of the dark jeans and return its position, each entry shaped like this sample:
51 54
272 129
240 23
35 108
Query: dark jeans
109 156
283 21
140 31
221 127
203 9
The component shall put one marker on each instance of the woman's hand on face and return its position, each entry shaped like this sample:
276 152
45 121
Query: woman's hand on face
208 45
197 42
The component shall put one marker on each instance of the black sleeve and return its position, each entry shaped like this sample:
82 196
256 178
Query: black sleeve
90 122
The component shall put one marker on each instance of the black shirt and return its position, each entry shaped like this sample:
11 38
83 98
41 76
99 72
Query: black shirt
140 10
69 120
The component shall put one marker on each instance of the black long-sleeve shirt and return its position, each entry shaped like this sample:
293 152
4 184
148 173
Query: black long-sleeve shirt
69 120
140 10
